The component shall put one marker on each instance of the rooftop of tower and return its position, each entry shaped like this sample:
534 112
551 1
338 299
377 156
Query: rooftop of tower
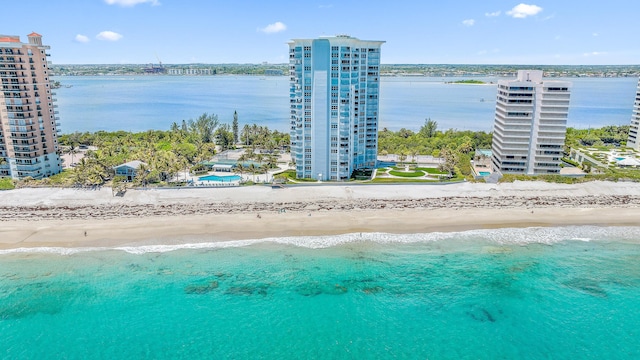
10 38
341 38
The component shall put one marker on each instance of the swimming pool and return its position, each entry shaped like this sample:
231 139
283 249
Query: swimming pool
620 158
484 173
229 178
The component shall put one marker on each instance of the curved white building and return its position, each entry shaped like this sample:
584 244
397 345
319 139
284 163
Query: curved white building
634 140
530 124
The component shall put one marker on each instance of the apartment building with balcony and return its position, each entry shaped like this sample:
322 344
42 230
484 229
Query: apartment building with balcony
29 123
334 105
530 124
634 139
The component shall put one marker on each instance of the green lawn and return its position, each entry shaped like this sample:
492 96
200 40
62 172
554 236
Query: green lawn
396 180
290 175
418 173
432 171
65 178
410 180
6 184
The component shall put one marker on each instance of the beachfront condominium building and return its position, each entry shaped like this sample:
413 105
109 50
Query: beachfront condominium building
530 124
28 117
335 86
634 141
28 121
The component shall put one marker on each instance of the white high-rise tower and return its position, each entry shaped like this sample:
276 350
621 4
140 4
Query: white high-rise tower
634 141
530 124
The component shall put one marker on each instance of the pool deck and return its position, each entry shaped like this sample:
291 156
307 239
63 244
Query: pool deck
194 180
481 171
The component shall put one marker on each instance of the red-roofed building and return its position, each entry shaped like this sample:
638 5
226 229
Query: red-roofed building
8 38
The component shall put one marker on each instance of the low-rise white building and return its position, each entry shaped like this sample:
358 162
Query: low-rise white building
129 170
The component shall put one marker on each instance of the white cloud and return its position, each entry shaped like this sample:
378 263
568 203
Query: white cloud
521 11
129 3
468 22
594 53
493 14
596 34
274 28
109 36
82 38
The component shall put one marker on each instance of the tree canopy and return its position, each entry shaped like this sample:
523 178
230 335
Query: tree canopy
165 152
611 135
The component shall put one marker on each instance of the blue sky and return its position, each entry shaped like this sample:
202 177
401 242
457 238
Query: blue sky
417 31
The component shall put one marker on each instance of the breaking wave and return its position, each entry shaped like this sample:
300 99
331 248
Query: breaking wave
503 236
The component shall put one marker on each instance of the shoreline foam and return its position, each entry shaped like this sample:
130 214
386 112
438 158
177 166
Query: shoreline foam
502 236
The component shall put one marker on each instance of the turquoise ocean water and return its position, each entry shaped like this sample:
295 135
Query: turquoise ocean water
537 293
154 102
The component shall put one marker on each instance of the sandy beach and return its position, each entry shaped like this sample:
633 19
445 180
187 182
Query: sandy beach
87 218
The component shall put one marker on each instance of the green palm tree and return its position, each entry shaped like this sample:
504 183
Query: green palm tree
141 174
259 158
270 145
72 150
249 153
272 161
246 130
252 170
402 155
265 169
414 152
240 168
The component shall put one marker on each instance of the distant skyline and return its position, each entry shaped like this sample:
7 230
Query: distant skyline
424 32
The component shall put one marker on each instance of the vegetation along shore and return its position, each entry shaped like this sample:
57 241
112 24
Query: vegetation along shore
190 143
